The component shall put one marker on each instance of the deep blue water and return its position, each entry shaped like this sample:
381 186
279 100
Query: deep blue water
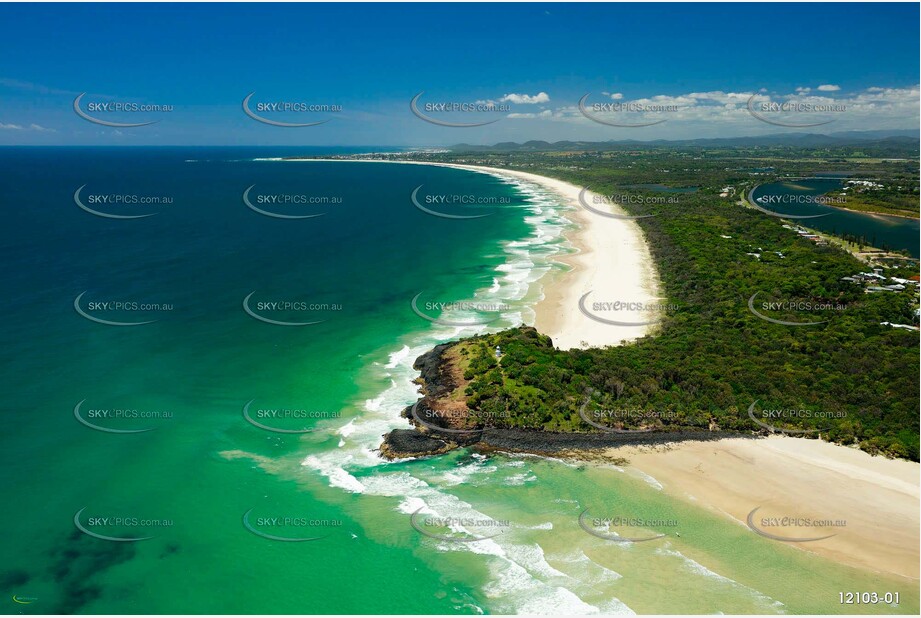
200 255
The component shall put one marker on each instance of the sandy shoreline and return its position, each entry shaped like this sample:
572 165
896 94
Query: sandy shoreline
874 502
612 264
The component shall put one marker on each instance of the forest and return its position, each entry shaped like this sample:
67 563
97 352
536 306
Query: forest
849 379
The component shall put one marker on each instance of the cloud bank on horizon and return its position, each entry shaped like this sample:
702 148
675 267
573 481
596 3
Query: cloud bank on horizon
516 116
526 73
510 116
871 108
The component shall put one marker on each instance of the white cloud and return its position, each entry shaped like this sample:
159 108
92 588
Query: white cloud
617 96
724 113
16 84
19 127
828 88
544 114
526 99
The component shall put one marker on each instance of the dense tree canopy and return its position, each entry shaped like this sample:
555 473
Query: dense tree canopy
849 379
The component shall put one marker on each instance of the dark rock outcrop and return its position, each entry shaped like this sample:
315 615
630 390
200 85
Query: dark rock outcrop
436 381
549 443
403 443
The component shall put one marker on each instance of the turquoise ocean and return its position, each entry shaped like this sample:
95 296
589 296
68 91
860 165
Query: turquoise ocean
190 431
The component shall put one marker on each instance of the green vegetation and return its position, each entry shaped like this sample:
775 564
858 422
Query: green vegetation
712 357
900 200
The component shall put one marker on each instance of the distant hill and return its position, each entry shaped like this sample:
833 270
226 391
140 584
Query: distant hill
898 139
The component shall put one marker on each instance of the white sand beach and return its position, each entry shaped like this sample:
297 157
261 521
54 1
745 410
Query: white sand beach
612 264
877 500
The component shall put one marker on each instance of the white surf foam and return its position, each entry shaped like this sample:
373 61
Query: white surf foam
397 357
522 579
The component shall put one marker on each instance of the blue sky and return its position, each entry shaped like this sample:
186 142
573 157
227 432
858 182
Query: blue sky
697 65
